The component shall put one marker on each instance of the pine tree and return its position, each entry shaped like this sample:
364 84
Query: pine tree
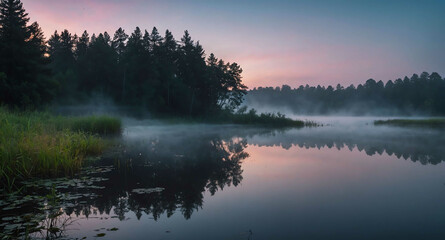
22 59
82 65
119 41
215 80
82 45
155 38
61 51
54 44
102 62
135 60
146 42
168 68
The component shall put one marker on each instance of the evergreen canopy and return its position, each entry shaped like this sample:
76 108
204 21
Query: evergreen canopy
24 81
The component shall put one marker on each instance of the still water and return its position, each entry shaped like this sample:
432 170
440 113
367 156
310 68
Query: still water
345 180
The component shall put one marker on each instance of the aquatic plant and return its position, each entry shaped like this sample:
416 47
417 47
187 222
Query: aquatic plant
34 144
251 117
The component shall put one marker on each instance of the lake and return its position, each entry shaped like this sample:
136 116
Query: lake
346 180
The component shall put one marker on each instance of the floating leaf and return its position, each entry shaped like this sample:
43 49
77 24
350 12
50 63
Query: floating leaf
147 190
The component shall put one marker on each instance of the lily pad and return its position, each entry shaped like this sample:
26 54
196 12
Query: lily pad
147 190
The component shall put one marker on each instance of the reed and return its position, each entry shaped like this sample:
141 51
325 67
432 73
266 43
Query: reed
36 144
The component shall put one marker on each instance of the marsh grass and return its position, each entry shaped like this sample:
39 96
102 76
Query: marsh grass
243 117
266 119
433 122
34 144
276 120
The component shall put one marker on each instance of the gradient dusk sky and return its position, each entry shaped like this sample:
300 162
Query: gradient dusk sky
279 42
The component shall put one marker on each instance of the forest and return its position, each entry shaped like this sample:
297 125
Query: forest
420 94
160 74
144 69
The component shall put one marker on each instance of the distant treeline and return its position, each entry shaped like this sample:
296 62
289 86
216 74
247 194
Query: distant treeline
142 69
424 94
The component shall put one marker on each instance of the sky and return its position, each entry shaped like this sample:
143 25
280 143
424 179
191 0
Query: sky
293 42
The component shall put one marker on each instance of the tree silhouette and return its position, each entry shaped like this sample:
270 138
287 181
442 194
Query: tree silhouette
418 94
144 70
22 50
159 74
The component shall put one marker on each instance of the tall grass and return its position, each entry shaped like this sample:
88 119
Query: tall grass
251 117
243 117
34 144
266 119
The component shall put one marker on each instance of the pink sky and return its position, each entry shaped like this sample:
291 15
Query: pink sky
275 43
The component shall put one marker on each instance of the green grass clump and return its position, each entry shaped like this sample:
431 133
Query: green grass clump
251 117
34 144
242 117
266 119
433 122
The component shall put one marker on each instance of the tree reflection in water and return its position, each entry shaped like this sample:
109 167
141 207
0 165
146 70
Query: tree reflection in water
184 172
418 145
177 167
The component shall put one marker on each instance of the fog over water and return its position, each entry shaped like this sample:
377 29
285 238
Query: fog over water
222 120
203 181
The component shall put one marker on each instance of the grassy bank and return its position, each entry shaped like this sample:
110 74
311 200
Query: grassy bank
264 119
250 118
434 122
34 144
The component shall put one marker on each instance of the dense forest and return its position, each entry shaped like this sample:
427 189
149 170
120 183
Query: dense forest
155 72
422 94
141 69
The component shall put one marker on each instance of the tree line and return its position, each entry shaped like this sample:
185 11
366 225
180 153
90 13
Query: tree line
144 69
420 94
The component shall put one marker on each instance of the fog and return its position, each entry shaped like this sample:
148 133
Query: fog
314 108
98 104
418 95
424 145
169 140
252 179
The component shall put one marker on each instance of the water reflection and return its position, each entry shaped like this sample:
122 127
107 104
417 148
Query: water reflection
161 171
418 145
152 176
180 172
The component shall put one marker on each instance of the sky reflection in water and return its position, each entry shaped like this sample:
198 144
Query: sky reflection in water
355 182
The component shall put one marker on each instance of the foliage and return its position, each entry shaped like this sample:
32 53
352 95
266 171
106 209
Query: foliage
39 144
24 78
264 119
145 69
419 94
244 117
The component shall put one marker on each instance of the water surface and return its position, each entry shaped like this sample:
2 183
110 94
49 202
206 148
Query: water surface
346 180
